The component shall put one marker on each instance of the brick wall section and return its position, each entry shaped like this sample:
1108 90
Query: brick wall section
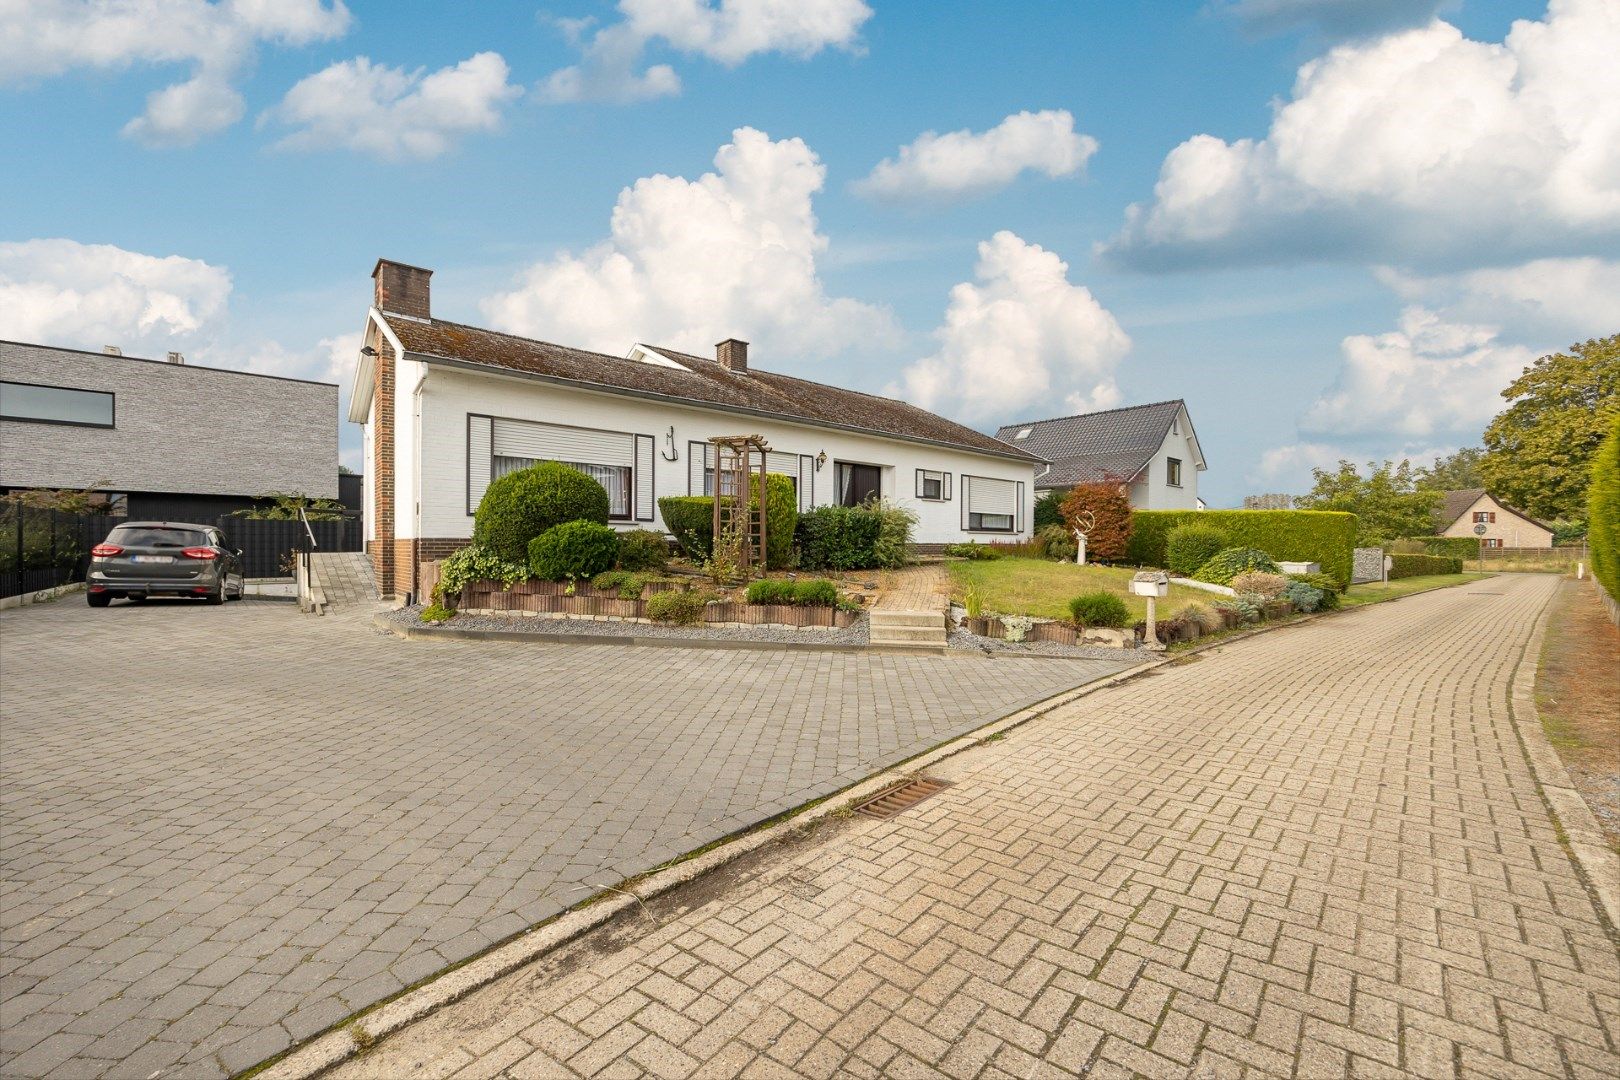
381 548
411 554
402 289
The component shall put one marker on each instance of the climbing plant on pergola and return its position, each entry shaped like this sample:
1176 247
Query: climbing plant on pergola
738 519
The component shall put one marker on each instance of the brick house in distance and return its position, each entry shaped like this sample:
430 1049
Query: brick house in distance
448 407
1460 512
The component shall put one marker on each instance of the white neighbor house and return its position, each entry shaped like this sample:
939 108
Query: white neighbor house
448 407
1151 449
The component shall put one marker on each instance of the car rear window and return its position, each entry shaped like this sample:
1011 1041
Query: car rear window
144 536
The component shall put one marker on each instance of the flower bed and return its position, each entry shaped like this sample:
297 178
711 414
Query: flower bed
552 599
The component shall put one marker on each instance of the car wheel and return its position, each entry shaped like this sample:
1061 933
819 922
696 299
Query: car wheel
218 595
98 599
241 589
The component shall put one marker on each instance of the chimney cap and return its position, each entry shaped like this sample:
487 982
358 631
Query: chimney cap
732 354
112 350
375 270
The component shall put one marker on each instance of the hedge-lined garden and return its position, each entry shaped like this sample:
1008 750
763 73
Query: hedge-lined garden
1463 547
1320 536
1603 504
1408 565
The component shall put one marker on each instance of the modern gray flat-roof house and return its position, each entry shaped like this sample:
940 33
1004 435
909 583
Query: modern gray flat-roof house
176 441
1150 450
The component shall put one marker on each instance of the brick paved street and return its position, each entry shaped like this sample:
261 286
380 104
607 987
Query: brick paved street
1318 852
223 829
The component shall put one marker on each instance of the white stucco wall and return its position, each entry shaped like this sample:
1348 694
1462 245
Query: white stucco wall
448 396
1157 493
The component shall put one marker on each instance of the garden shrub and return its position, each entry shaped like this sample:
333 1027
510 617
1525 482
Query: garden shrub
574 549
1405 566
1057 542
690 520
1463 547
892 547
684 608
839 538
1099 608
1320 536
770 591
1247 610
818 592
1109 537
1267 585
1329 588
1049 508
781 519
1188 547
643 549
437 613
1603 512
1228 564
628 584
521 505
1305 598
1207 619
973 550
473 563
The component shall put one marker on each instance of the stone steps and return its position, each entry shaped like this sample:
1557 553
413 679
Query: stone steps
908 629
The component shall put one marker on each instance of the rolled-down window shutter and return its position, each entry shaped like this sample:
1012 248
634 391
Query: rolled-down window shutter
644 477
947 486
552 442
478 454
807 482
987 496
696 462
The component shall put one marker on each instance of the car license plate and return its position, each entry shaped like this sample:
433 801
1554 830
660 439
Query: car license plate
154 558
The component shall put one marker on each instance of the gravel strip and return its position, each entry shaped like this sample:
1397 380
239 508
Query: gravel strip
849 635
961 639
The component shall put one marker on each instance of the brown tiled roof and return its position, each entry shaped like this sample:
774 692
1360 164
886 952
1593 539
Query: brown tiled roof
1454 504
698 380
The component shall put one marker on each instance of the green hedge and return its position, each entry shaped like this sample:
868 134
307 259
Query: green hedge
1418 565
1463 547
1321 536
1603 512
690 520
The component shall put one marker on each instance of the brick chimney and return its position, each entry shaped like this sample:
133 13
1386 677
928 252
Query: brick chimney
402 289
732 354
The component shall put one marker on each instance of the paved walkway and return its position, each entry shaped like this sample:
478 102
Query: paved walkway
925 587
223 829
346 578
1319 852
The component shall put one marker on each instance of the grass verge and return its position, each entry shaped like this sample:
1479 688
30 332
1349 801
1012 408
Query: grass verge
1375 592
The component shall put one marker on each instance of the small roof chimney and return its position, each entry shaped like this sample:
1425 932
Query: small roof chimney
112 350
402 289
177 358
732 354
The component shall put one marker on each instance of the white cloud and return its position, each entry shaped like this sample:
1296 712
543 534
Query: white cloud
374 108
689 262
962 163
728 32
1429 378
61 292
1561 299
1337 18
1021 335
46 38
1420 148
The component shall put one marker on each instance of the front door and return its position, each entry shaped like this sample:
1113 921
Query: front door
858 483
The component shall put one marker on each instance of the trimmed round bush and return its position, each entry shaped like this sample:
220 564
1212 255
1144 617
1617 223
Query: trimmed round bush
1189 547
1228 564
643 549
574 549
521 505
1099 608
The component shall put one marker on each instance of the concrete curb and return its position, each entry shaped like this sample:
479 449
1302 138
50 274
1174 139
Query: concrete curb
40 596
1595 862
338 1044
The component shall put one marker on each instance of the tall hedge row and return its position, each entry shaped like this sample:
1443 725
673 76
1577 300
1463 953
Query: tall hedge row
1418 565
1321 536
1463 547
1603 512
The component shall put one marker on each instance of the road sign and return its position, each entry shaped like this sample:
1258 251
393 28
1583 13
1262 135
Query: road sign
1479 530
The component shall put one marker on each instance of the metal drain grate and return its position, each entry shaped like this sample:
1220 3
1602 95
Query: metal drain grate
904 797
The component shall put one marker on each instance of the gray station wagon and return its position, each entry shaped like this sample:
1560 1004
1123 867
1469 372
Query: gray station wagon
164 558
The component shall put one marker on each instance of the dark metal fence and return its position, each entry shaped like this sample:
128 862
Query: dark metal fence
41 549
268 547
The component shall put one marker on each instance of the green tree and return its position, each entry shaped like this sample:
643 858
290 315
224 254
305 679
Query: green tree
1540 448
1454 472
1387 501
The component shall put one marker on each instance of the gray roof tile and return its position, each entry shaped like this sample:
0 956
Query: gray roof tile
1113 444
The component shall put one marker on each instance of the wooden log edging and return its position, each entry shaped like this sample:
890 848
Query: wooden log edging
550 599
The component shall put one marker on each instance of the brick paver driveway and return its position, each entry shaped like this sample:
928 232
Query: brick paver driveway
223 829
1318 852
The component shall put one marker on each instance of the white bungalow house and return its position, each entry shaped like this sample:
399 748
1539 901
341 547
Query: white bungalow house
1151 449
447 407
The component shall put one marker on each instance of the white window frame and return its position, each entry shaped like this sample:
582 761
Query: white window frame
943 479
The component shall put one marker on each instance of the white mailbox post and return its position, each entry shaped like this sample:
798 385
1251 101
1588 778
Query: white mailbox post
1152 584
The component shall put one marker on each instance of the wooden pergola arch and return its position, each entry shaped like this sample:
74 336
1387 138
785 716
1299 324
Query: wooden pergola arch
737 460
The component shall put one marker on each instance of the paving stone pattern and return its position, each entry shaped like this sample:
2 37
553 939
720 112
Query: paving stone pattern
224 829
1318 853
345 577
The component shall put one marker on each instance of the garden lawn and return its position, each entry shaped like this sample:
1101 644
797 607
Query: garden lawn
1042 588
1376 591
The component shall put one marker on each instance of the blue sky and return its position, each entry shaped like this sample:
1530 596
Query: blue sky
1434 203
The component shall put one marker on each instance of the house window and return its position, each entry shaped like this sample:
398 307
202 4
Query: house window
1172 471
933 486
990 505
857 484
1493 542
56 405
1484 517
615 479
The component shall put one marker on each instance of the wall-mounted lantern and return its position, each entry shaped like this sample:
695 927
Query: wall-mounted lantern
821 460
